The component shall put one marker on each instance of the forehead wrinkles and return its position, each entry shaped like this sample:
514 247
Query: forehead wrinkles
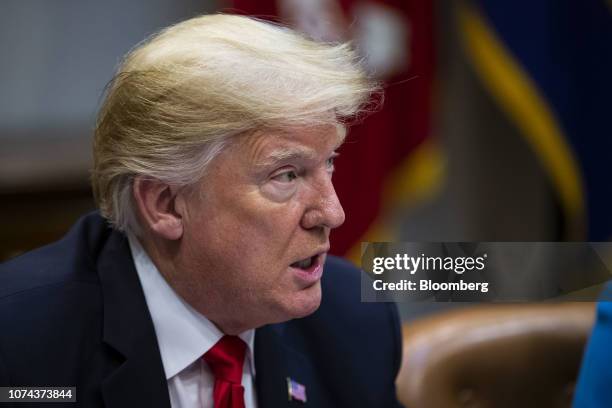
287 145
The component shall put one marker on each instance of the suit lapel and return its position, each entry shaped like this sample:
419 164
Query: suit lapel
275 361
139 380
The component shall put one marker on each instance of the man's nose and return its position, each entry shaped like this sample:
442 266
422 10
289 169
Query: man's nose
326 210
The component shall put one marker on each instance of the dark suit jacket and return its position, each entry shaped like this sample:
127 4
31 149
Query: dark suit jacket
73 314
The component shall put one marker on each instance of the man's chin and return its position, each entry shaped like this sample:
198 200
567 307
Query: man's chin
300 304
307 301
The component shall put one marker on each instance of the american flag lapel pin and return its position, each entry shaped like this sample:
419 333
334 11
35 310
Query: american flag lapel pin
296 390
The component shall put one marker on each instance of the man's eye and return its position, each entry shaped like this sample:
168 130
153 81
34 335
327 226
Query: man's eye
330 163
286 177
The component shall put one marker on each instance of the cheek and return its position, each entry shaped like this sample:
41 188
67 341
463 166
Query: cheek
246 237
259 226
240 247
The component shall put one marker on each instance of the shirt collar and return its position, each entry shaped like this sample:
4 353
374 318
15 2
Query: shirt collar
183 334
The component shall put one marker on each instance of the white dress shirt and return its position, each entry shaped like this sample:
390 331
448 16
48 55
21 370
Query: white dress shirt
184 335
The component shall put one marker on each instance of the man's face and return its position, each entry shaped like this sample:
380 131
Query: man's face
257 230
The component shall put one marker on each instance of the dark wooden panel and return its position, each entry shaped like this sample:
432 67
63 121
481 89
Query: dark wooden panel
32 219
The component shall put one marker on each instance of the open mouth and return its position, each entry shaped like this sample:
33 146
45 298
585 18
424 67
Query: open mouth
309 270
304 263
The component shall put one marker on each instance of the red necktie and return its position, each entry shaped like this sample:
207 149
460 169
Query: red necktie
226 359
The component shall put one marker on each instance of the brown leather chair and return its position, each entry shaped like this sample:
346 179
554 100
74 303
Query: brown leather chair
495 356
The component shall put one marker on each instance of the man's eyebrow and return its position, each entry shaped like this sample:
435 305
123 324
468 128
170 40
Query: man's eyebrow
288 154
297 152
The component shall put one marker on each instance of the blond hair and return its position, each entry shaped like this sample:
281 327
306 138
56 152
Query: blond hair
179 96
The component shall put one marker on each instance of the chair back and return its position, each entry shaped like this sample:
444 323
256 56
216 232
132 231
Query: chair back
495 356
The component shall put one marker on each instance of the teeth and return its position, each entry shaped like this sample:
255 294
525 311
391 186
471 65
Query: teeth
304 263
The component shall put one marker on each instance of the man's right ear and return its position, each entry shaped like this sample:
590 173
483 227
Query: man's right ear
155 201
